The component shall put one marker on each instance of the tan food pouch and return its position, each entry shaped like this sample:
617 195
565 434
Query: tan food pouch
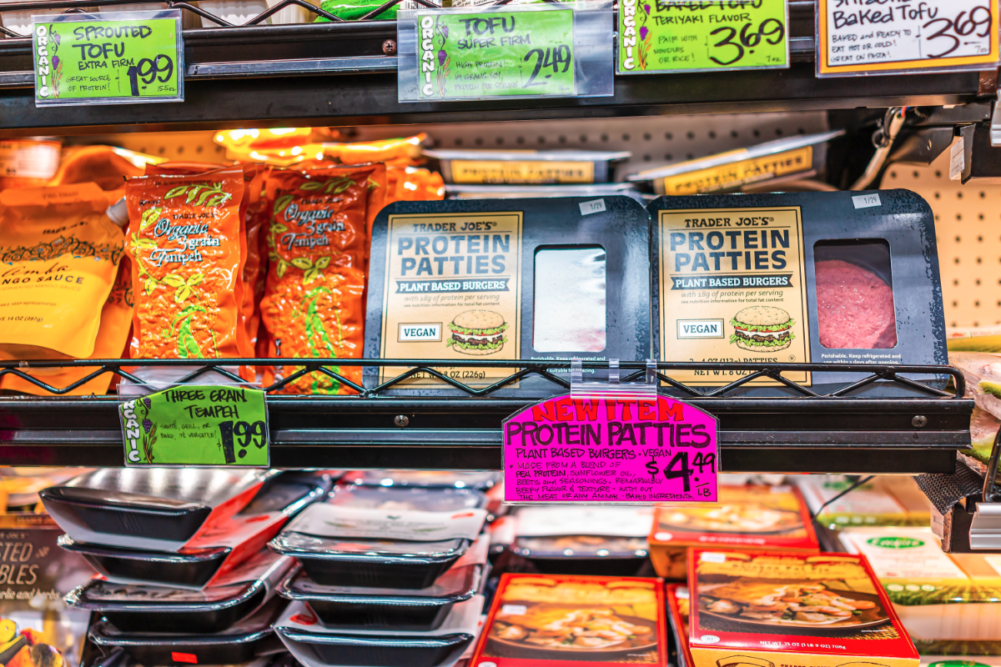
59 255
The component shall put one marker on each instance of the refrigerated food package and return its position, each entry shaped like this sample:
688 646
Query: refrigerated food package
765 608
949 603
886 500
144 607
973 339
562 620
503 280
820 277
583 540
385 537
27 163
406 610
983 378
453 191
983 431
524 167
108 166
677 617
760 518
481 480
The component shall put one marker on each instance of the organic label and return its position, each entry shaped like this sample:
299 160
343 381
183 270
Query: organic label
197 425
741 271
495 54
636 449
895 542
858 36
117 58
702 35
527 171
453 286
733 175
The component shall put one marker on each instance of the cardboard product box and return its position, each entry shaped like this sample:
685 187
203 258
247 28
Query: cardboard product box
751 517
501 280
886 500
574 621
821 277
775 609
677 618
949 603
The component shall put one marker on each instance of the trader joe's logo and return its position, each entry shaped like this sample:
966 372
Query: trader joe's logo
895 542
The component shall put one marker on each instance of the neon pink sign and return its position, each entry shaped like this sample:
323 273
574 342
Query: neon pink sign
611 448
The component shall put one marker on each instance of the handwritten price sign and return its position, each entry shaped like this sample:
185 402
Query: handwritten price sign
702 35
858 37
610 448
495 54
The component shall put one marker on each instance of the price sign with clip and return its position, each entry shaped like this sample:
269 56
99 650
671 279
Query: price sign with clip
197 426
857 37
108 58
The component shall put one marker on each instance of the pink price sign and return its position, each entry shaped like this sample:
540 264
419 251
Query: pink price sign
611 448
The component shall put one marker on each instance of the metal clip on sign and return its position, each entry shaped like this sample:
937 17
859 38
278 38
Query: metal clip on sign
985 530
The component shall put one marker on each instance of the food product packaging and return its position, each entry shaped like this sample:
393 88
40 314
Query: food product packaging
188 255
357 607
60 253
762 518
235 12
27 163
108 166
159 509
385 537
317 240
758 608
974 339
677 617
521 167
314 644
352 10
821 277
240 643
210 557
562 620
583 540
886 500
453 191
141 608
431 479
949 603
546 279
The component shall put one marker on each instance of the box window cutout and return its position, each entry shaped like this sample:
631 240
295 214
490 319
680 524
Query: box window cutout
569 300
855 295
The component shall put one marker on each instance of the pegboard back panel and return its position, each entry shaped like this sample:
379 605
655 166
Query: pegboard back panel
969 239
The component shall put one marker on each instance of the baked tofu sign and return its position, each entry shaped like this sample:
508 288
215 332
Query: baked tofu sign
610 448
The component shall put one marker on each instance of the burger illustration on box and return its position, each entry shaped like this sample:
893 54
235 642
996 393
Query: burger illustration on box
762 329
477 332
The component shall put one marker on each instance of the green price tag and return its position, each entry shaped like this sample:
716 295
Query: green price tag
495 54
197 425
702 35
121 58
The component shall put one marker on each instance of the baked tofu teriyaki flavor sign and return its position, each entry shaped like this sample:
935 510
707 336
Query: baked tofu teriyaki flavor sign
452 291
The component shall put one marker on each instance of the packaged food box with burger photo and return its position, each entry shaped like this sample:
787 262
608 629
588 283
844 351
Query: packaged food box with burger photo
563 620
812 277
502 280
770 609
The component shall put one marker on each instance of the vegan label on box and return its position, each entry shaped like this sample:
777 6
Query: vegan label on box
857 36
196 425
453 286
702 35
495 54
108 60
522 171
735 174
606 448
733 289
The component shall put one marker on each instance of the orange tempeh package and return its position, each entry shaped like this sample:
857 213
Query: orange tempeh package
187 254
317 242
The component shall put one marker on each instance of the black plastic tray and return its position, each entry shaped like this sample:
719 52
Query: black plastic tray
168 569
375 651
584 561
356 608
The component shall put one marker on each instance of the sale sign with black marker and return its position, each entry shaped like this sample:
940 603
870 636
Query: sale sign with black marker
108 58
197 426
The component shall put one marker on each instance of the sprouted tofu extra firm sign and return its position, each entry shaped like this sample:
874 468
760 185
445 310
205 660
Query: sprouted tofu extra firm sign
85 60
702 35
495 54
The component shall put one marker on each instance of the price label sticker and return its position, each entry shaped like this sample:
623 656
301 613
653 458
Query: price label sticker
610 449
197 425
113 58
858 37
495 54
702 35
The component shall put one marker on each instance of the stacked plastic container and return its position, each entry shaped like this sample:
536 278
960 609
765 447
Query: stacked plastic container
186 576
391 574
